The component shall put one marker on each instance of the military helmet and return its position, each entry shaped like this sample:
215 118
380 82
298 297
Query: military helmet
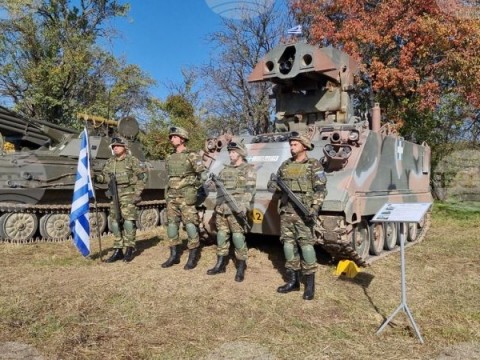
176 130
238 147
118 140
303 139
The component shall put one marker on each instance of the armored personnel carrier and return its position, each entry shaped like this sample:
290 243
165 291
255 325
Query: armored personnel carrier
36 186
367 164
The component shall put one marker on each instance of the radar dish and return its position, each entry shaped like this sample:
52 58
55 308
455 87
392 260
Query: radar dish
128 127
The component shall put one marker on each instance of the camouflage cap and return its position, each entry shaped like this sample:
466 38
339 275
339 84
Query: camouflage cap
177 130
303 139
238 147
118 140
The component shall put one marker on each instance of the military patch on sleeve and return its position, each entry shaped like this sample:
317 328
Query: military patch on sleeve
321 176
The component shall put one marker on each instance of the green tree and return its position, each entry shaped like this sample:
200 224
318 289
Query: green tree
51 67
176 110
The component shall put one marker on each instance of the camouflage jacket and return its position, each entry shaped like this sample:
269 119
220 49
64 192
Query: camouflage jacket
240 182
307 180
129 172
185 169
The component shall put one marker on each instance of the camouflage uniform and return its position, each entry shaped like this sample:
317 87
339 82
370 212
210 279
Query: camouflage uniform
307 180
239 180
302 178
130 176
186 174
184 171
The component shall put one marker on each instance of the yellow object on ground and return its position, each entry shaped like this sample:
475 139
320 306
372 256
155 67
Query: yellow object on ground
348 268
8 147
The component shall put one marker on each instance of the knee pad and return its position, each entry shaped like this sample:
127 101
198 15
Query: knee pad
191 230
238 240
129 226
222 237
172 231
309 255
114 227
288 251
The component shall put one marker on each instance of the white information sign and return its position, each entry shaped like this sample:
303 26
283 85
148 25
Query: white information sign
406 212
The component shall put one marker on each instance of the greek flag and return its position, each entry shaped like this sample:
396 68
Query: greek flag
296 30
83 192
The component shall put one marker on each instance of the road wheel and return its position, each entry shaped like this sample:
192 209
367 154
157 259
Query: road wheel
55 226
18 226
361 239
377 238
148 218
102 222
390 230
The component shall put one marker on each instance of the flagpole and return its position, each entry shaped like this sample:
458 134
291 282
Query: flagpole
98 225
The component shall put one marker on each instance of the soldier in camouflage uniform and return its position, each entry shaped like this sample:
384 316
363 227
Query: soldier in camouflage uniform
306 178
186 174
131 177
239 179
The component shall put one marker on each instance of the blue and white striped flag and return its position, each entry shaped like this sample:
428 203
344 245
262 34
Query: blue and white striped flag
83 192
296 30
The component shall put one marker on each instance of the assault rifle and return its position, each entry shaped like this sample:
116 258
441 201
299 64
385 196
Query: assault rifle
293 198
113 192
230 201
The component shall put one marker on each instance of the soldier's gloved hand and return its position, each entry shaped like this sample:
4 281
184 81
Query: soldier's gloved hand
136 199
209 186
272 186
312 216
204 176
243 209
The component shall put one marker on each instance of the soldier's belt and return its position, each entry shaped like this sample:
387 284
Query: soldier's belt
179 191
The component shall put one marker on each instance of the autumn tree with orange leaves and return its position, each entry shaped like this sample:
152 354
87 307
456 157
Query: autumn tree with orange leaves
420 58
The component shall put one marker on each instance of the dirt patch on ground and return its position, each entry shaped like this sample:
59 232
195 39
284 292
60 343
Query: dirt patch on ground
460 352
18 351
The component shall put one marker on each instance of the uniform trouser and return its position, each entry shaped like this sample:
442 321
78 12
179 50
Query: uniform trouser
178 210
125 236
296 237
228 225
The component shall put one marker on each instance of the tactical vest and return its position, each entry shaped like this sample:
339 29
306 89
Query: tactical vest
179 165
297 177
123 170
234 179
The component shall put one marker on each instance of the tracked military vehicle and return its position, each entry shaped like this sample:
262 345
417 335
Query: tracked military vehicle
367 164
36 186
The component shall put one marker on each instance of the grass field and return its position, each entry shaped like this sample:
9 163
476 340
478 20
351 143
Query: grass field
56 305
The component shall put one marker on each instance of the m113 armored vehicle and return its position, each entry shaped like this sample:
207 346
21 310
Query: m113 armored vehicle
36 186
367 164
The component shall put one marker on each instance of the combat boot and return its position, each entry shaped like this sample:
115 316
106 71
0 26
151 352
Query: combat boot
309 292
240 275
129 254
219 266
117 255
192 259
174 257
293 282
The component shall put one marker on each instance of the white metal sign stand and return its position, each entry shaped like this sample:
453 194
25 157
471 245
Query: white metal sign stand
402 214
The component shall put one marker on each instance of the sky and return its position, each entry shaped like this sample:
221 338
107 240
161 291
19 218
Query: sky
162 36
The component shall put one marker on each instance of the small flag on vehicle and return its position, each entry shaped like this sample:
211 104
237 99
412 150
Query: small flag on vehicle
82 194
296 30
